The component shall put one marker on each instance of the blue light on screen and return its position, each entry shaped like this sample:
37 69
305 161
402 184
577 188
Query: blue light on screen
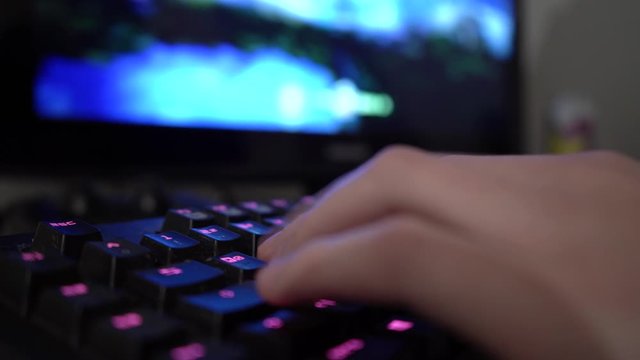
396 20
199 86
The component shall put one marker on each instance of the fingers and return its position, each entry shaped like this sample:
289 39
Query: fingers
406 262
370 192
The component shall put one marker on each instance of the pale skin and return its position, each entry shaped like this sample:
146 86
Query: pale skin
530 257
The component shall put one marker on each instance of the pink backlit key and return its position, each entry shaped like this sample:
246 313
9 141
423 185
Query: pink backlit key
288 334
133 334
67 309
26 273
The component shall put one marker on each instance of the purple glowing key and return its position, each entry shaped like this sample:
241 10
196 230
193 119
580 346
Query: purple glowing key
74 290
134 334
193 351
399 325
345 350
127 321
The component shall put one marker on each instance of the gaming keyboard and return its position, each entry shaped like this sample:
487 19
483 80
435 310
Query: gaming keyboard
181 287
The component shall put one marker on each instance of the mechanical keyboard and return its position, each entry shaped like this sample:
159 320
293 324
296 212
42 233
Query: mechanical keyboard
181 287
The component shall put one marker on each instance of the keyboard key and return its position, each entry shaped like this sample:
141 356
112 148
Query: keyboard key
67 237
25 274
161 286
275 222
226 214
199 350
108 262
281 205
286 334
252 231
65 310
239 267
183 220
423 338
218 312
365 348
216 240
134 334
258 211
171 246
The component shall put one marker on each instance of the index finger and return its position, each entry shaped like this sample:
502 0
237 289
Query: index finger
372 191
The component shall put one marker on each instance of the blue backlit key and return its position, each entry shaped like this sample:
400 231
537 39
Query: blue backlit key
67 237
239 267
216 240
161 286
171 246
252 231
220 311
183 220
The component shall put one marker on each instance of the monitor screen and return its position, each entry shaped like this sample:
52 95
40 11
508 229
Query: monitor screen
322 67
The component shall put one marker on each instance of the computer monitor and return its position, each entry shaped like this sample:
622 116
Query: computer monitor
260 87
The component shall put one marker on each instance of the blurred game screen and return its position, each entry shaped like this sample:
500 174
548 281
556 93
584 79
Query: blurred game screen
297 66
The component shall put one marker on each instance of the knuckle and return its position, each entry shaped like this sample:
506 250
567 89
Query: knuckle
393 159
403 231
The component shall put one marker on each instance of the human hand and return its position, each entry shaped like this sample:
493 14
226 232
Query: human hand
532 257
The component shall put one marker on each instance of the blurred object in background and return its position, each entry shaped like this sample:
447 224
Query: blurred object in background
572 125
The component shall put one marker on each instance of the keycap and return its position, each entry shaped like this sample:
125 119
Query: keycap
226 214
108 262
216 240
365 348
183 220
252 231
25 274
286 334
134 334
67 237
239 267
424 339
170 246
275 222
160 286
203 350
65 310
282 205
258 210
218 312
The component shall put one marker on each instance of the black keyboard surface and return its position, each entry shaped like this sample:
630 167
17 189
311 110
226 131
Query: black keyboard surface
181 287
